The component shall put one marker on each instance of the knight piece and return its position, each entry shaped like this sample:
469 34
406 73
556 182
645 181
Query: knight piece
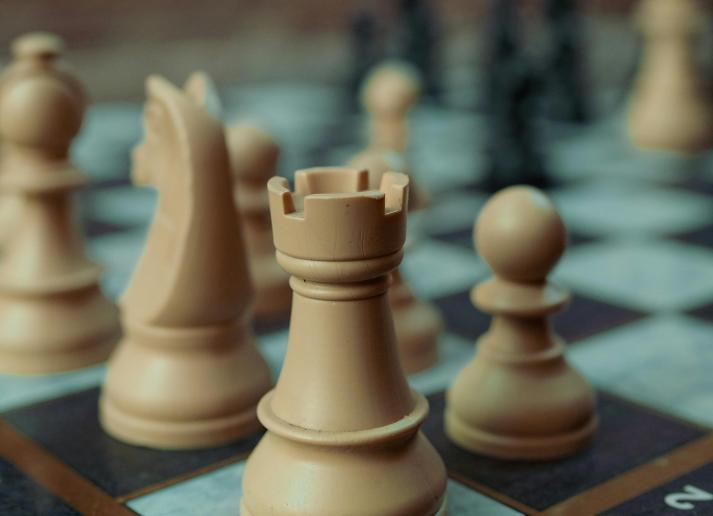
671 107
342 423
518 398
53 316
188 373
253 158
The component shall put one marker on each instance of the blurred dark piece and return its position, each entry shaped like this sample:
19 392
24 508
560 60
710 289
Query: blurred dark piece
418 43
365 53
565 92
511 89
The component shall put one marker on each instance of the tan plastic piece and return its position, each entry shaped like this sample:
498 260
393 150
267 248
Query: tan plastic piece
188 373
378 161
671 107
389 93
30 52
518 398
343 426
253 157
53 316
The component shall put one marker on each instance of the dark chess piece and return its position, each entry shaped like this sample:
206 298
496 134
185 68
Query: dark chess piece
418 44
512 86
566 96
365 53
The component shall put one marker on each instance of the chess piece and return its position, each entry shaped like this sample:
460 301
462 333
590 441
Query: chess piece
670 107
378 162
512 152
418 324
53 316
566 90
418 44
388 95
187 373
202 90
26 50
518 398
342 423
253 158
389 92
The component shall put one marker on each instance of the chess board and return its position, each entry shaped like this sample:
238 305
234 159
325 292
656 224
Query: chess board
640 326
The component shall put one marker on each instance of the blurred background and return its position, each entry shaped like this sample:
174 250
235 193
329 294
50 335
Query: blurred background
115 45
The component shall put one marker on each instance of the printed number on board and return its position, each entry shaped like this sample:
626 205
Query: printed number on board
683 500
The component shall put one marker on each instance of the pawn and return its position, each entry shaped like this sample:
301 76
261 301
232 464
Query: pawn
253 158
389 92
518 398
53 316
187 373
418 324
670 107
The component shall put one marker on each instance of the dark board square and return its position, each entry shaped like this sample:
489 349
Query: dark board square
583 317
94 228
700 237
689 494
22 496
697 181
629 435
460 316
68 427
264 325
704 312
460 237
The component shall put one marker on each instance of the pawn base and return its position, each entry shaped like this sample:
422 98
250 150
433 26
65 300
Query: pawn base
182 388
518 447
43 334
175 435
443 511
39 362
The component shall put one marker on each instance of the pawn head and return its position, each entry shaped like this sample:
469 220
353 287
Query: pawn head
37 46
391 89
41 102
520 234
253 152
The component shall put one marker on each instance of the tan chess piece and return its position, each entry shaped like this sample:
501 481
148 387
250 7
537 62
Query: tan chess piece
389 93
518 398
53 316
202 90
187 373
671 107
342 424
253 158
26 50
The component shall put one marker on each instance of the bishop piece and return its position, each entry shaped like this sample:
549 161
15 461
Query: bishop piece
53 316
